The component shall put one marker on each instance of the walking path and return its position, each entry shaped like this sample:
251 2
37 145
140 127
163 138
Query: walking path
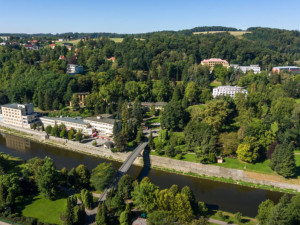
219 222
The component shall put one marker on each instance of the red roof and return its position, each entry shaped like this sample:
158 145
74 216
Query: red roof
52 44
214 60
62 57
112 58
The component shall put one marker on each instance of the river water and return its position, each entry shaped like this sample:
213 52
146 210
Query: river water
217 195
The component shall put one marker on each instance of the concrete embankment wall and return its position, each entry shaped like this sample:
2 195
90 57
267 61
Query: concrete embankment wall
214 171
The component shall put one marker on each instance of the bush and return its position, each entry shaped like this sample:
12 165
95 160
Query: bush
220 215
178 157
238 217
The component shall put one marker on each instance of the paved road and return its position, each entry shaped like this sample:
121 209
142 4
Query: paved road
3 223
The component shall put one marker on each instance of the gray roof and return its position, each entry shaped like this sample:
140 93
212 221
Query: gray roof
286 67
11 105
78 120
154 103
103 120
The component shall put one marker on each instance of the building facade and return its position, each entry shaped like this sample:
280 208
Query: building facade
20 115
76 123
81 97
293 69
103 124
255 68
228 90
74 69
214 61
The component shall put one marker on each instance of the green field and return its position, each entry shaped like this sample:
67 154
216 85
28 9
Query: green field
45 210
215 84
234 33
297 100
117 40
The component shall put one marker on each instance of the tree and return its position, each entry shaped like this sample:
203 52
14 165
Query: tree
264 211
9 190
159 218
73 214
34 126
150 141
82 177
87 198
102 175
229 142
283 160
55 131
125 217
101 217
191 92
182 209
48 129
144 195
63 133
71 134
140 135
48 179
186 190
279 214
120 141
173 116
125 186
78 136
75 102
215 113
248 151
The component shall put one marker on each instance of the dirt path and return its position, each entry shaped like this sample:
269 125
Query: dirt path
271 177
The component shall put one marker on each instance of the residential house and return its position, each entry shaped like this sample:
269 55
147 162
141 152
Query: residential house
74 69
255 68
81 96
228 90
214 61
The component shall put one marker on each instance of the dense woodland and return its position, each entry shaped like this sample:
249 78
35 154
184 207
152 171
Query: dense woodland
165 66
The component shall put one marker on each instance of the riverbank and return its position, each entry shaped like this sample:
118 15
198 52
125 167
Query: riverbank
210 172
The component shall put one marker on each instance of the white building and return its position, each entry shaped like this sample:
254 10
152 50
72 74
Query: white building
74 69
76 123
3 44
20 115
228 90
256 68
103 124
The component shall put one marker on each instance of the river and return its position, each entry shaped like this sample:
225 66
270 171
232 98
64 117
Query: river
217 195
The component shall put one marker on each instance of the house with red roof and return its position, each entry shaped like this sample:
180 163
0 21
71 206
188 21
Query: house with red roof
62 58
52 46
112 59
214 61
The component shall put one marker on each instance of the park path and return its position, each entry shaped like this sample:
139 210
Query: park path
3 223
219 222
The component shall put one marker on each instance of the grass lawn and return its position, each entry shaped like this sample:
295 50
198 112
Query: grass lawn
262 167
189 158
117 40
155 119
230 218
297 100
45 210
215 84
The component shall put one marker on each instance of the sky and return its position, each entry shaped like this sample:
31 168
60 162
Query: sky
140 16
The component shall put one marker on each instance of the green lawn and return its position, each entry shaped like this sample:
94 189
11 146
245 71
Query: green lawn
215 84
230 218
262 167
155 119
297 100
117 40
45 210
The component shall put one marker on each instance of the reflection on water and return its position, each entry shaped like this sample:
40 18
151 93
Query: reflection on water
217 195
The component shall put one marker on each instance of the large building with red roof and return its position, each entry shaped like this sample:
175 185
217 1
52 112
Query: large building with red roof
214 61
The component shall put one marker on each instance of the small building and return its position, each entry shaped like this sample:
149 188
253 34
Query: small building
293 69
62 58
81 96
255 68
4 38
214 61
3 43
20 115
156 105
220 159
69 47
61 39
108 145
74 69
52 46
31 47
228 90
112 59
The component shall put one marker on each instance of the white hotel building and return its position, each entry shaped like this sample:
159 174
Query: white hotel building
228 90
20 115
255 68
